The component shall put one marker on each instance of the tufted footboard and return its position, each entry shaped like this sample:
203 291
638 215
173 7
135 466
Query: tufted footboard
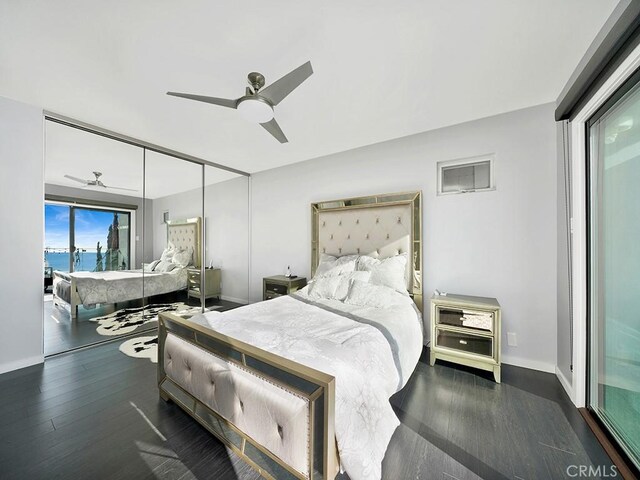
276 414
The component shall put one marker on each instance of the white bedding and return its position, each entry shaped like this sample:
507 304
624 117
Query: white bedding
371 352
122 285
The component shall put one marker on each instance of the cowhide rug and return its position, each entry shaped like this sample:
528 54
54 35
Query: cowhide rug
128 319
141 347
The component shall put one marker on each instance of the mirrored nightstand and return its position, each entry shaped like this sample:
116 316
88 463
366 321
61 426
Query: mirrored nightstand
279 285
212 278
466 330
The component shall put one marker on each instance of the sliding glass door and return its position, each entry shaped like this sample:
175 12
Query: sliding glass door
100 239
84 239
614 267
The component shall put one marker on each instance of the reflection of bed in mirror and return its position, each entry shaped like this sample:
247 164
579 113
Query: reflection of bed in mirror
299 385
166 275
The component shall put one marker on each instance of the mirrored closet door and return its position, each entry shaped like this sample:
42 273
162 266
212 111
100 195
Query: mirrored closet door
93 215
131 233
226 233
173 235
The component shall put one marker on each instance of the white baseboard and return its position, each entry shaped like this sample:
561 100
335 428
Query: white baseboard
566 384
531 364
22 363
244 301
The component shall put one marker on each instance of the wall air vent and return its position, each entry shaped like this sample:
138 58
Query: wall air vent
466 175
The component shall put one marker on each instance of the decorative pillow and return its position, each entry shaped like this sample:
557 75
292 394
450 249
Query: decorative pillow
165 266
335 288
331 266
182 258
377 296
345 282
167 253
389 272
150 266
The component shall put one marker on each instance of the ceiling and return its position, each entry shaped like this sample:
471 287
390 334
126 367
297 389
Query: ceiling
383 70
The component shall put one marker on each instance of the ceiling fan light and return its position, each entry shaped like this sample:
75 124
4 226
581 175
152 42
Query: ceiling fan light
255 110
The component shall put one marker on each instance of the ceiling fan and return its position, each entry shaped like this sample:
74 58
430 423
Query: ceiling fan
257 104
97 182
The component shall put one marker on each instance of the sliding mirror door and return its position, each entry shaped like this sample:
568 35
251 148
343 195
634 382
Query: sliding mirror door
226 213
614 265
93 212
173 240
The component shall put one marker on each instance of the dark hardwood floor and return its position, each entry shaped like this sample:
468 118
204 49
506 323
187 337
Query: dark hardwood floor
95 413
61 334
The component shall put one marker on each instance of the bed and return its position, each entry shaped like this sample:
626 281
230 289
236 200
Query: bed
92 288
299 386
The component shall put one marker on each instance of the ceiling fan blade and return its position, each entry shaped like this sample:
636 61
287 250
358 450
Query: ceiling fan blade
120 188
223 102
76 179
274 129
279 89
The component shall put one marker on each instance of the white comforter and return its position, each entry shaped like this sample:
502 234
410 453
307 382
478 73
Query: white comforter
369 363
122 285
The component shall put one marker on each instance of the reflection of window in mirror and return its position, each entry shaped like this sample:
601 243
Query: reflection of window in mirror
165 216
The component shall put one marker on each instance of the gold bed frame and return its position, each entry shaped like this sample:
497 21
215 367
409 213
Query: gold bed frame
315 386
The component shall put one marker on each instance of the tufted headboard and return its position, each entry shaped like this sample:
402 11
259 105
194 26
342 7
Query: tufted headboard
186 234
380 226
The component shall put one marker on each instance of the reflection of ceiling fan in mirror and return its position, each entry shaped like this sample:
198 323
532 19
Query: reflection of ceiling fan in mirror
97 182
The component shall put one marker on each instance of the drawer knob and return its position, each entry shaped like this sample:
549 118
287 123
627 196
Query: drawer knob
463 342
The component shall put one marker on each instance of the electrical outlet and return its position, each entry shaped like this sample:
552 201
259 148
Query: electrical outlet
512 340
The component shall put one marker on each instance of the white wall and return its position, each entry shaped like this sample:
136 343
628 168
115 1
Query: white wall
226 230
500 243
21 254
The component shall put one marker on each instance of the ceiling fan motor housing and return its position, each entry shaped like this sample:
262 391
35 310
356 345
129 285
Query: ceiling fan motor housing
256 80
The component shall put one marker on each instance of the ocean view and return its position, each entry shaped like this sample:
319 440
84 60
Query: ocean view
60 261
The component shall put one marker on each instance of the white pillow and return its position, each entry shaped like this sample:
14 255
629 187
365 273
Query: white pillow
389 272
165 266
167 254
150 266
335 288
331 266
377 296
182 258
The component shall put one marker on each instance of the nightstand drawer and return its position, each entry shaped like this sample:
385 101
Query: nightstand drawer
465 342
459 317
276 289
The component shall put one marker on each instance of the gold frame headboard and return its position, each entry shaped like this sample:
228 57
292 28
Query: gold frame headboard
411 200
197 241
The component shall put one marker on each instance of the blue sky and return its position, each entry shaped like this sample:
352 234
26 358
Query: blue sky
92 226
